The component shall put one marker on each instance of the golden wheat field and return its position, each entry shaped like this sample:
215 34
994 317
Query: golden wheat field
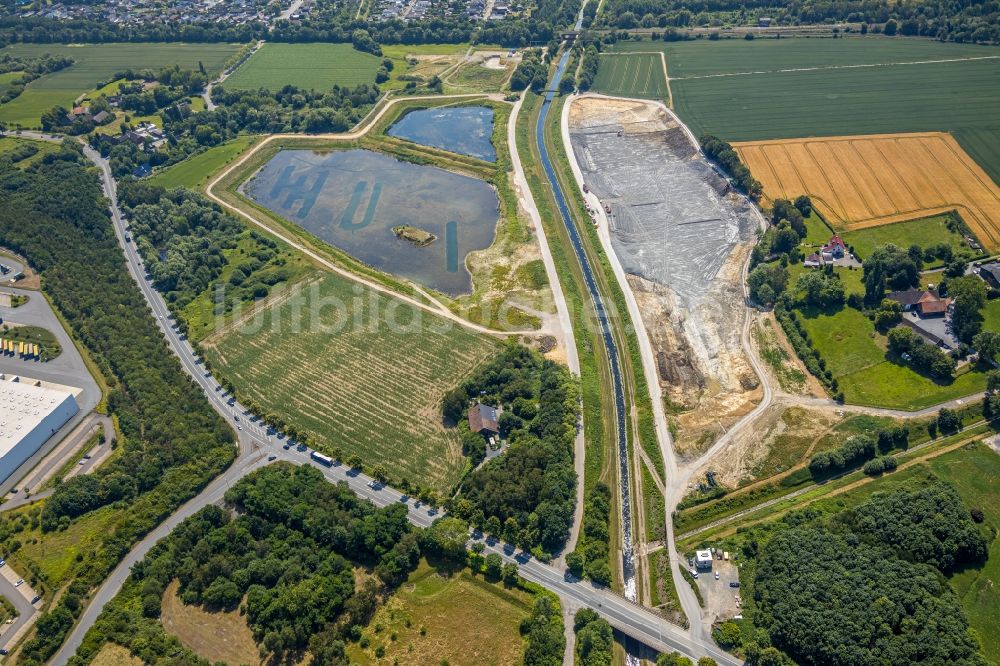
867 181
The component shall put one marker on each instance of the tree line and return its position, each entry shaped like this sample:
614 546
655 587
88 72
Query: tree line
940 19
172 442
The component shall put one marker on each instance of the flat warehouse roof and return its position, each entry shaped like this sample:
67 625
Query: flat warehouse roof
23 407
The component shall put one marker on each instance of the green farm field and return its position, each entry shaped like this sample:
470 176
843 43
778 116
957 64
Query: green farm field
856 355
355 370
790 88
308 66
195 171
95 63
632 75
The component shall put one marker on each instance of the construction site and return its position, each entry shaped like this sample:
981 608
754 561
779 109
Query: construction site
682 236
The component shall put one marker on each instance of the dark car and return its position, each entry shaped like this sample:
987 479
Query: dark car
734 583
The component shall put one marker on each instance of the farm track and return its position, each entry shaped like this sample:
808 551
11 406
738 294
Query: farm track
833 492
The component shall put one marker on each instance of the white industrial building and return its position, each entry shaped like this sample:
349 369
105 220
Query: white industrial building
703 559
30 413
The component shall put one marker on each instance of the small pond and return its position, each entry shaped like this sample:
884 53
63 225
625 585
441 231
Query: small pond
352 199
465 130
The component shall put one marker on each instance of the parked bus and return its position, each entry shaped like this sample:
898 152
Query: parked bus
321 459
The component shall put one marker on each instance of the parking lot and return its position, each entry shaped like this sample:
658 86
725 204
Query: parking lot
722 601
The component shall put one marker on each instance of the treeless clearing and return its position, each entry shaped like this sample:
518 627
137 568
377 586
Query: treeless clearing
867 181
115 655
218 637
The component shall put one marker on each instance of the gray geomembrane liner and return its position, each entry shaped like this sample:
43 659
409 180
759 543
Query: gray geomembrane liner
671 220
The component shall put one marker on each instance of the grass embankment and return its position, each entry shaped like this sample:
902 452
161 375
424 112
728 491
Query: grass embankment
637 399
94 63
500 279
598 405
194 172
93 441
786 463
805 496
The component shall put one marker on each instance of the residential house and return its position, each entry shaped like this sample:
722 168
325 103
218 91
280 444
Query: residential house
834 249
924 303
483 419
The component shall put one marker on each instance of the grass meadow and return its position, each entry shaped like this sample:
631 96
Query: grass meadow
924 232
788 88
95 63
432 617
856 355
633 75
195 171
330 363
308 66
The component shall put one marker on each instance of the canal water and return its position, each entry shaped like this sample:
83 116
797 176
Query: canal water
628 554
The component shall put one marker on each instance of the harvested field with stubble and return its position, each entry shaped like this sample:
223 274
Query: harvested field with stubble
859 182
356 370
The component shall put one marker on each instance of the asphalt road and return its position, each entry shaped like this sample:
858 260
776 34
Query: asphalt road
258 447
20 597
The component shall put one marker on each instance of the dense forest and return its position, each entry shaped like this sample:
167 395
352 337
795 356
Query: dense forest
594 640
173 442
526 495
286 559
863 586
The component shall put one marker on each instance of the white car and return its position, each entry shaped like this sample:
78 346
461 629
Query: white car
716 575
694 574
19 582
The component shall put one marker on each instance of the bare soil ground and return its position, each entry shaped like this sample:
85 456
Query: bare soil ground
700 361
781 439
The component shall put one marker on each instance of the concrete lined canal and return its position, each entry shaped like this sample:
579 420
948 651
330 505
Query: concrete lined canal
628 555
